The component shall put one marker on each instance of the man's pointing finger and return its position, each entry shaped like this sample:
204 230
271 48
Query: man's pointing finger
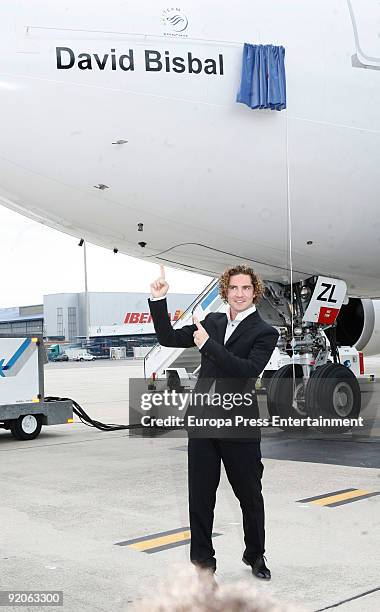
197 323
162 271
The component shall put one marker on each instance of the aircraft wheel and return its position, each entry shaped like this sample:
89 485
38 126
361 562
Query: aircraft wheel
286 396
333 391
26 427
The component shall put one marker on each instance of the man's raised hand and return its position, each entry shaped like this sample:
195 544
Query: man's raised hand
159 287
200 335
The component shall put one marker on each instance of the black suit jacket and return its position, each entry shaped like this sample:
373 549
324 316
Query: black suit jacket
233 366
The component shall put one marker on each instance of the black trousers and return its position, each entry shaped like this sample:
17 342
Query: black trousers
244 469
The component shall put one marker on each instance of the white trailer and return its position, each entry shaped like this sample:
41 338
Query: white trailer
23 409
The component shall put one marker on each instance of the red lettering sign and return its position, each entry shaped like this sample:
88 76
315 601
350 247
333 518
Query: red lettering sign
146 317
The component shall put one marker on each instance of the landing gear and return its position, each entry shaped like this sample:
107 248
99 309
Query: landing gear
285 395
332 392
303 387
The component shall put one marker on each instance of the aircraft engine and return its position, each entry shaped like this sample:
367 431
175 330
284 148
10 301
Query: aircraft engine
358 325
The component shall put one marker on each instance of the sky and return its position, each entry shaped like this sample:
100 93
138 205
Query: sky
38 260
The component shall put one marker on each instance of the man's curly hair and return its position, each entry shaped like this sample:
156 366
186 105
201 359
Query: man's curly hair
224 281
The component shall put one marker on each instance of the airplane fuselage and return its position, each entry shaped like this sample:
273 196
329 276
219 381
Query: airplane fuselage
119 123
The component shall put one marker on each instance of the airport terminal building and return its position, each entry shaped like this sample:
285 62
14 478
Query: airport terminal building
22 320
112 319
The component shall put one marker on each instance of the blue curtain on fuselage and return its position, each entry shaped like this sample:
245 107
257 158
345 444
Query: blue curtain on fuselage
263 82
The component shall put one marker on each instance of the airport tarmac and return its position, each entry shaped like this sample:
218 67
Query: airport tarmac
102 516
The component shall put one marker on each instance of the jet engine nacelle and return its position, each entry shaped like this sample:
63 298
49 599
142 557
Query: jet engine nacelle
358 325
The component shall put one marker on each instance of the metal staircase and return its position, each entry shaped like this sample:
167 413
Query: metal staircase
160 358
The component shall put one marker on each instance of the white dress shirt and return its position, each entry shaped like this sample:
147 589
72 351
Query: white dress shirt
232 324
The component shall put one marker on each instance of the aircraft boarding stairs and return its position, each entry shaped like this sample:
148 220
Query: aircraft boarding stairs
160 358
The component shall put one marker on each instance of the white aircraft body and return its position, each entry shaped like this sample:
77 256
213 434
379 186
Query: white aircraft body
207 177
119 125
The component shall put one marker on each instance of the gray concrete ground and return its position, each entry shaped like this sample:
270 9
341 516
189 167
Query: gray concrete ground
72 494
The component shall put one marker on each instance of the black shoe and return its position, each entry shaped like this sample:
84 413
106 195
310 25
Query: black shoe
259 569
208 566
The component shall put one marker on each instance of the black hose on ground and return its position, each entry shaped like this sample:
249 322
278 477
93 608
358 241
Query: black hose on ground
87 420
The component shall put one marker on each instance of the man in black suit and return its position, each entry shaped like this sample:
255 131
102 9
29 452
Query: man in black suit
235 348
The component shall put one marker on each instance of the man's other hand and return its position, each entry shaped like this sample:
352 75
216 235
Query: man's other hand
200 335
159 287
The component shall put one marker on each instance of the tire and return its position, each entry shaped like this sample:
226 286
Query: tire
280 394
333 391
81 359
26 427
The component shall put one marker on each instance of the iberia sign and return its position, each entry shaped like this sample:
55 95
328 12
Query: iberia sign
146 317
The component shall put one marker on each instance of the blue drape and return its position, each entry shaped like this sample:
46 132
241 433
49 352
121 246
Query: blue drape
263 77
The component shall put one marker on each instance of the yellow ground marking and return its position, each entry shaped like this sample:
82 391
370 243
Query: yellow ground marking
340 497
161 541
